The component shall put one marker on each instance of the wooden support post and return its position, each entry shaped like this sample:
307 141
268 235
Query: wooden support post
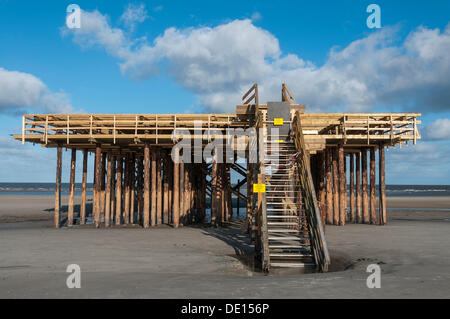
132 186
373 212
113 188
342 182
153 187
359 218
329 185
249 198
83 189
119 172
335 187
57 217
203 193
103 186
181 190
98 184
321 184
238 189
365 198
146 221
214 191
352 189
126 185
166 189
170 194
72 188
108 191
140 191
186 204
176 191
382 185
158 188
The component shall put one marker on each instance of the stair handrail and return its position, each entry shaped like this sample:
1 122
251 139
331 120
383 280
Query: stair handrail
318 242
261 215
286 95
253 97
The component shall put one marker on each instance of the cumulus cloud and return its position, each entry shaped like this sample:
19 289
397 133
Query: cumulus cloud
219 63
20 91
438 130
133 15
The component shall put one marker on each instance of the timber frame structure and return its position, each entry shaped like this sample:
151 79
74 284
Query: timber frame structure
137 182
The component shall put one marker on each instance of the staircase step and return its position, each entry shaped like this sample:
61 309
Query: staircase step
289 231
287 238
289 255
292 265
296 246
282 224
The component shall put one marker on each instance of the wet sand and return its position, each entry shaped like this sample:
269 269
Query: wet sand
201 262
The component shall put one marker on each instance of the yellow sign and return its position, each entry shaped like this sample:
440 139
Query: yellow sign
278 121
259 188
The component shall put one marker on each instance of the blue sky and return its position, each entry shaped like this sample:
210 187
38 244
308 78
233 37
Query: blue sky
307 44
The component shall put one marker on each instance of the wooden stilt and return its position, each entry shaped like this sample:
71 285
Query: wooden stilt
203 193
153 187
352 189
103 186
98 184
214 191
342 181
336 215
72 188
132 186
176 191
159 209
83 189
126 185
166 189
329 185
373 212
365 198
186 203
146 222
359 218
140 190
119 172
108 191
113 189
321 188
170 193
181 191
57 217
382 185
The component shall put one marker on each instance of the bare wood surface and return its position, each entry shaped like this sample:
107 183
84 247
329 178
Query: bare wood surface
83 189
73 162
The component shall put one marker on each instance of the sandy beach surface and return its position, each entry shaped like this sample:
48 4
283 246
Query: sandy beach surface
413 251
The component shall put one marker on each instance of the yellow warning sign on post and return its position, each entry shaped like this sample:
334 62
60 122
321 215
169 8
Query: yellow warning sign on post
259 188
278 121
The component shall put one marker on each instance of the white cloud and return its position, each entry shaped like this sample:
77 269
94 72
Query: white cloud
256 16
133 15
219 63
20 91
438 130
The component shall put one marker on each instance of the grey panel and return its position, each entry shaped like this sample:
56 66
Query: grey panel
279 110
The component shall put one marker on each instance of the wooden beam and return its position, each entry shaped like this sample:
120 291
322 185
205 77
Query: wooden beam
365 198
132 186
103 185
57 217
146 221
126 186
73 165
140 190
373 212
181 190
382 185
113 188
166 189
321 190
342 182
83 189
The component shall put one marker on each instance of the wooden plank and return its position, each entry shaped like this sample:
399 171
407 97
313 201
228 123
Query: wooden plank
153 188
126 186
103 185
159 210
359 218
382 185
132 186
176 190
336 215
73 162
113 188
166 189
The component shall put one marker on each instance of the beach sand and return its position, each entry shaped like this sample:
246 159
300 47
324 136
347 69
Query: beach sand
413 251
